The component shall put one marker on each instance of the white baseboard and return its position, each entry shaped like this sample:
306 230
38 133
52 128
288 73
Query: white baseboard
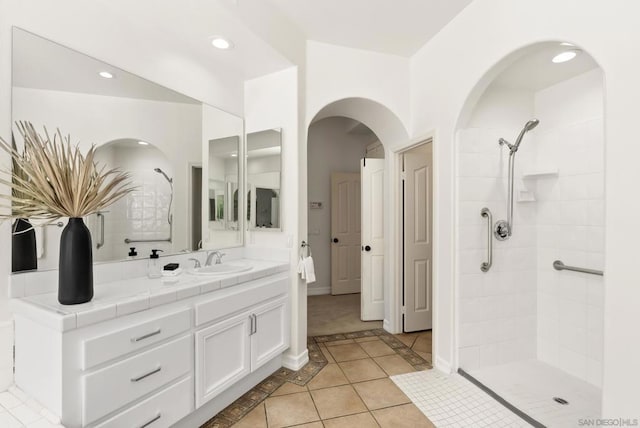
443 365
295 362
318 291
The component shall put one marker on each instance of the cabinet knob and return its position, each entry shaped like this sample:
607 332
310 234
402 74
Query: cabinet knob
336 240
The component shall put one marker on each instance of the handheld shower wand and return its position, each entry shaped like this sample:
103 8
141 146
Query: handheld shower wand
170 180
503 229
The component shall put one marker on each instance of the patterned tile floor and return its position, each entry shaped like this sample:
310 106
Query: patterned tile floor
345 384
17 410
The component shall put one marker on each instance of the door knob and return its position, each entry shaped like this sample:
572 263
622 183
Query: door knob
335 240
367 248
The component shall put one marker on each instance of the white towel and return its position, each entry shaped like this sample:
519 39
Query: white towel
39 240
309 270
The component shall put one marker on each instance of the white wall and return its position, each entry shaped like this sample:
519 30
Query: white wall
330 149
441 82
155 61
570 212
174 128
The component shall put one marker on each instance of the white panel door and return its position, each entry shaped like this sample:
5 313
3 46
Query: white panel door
345 232
223 356
271 334
418 165
372 247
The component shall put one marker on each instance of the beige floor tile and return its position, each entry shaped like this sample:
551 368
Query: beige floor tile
407 338
351 351
289 388
330 375
337 401
327 354
254 419
292 409
339 342
361 420
380 393
377 349
310 425
394 364
361 370
406 416
422 344
366 339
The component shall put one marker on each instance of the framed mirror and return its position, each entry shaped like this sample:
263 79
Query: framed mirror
264 166
159 135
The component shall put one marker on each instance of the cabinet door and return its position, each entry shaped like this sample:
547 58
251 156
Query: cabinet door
271 332
222 356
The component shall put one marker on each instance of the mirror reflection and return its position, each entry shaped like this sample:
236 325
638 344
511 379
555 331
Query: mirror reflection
143 219
263 179
57 87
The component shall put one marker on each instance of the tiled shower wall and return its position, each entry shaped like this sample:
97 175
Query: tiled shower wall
571 225
497 308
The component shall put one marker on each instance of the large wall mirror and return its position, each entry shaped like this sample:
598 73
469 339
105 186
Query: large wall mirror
264 166
160 136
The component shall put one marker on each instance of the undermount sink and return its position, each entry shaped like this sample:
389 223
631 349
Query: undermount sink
221 269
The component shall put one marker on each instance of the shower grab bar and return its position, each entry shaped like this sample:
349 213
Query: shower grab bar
558 265
485 266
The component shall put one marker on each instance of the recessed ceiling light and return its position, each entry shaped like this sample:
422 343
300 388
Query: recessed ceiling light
221 43
143 143
106 75
234 155
565 56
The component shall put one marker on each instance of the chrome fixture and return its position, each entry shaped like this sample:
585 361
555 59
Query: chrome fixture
196 263
504 228
485 266
217 254
558 265
100 243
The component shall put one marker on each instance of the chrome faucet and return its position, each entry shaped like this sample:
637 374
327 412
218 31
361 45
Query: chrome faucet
218 255
196 262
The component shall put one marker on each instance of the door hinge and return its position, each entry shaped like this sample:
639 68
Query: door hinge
404 310
403 175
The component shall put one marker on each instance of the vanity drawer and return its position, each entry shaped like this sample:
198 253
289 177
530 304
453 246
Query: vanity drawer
158 411
112 387
121 342
221 306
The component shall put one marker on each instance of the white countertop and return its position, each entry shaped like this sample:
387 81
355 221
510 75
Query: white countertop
120 298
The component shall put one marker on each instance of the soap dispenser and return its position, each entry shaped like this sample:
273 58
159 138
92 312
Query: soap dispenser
132 253
154 270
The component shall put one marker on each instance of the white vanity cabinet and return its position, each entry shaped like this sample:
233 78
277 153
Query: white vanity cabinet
228 350
156 366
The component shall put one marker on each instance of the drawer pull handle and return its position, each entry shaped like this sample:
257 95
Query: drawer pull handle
146 424
139 378
146 336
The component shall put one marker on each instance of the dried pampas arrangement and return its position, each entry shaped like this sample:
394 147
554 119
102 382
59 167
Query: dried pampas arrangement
51 178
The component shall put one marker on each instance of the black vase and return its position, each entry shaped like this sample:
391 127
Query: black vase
23 246
75 273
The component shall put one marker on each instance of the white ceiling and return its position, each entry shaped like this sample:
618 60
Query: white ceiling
398 27
531 69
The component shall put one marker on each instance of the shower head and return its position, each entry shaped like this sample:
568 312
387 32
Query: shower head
527 127
159 171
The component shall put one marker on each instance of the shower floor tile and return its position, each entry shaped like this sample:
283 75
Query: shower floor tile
453 401
531 385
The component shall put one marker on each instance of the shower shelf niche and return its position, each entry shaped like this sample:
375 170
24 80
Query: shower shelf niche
540 173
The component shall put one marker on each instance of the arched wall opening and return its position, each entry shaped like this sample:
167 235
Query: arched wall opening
521 320
389 130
